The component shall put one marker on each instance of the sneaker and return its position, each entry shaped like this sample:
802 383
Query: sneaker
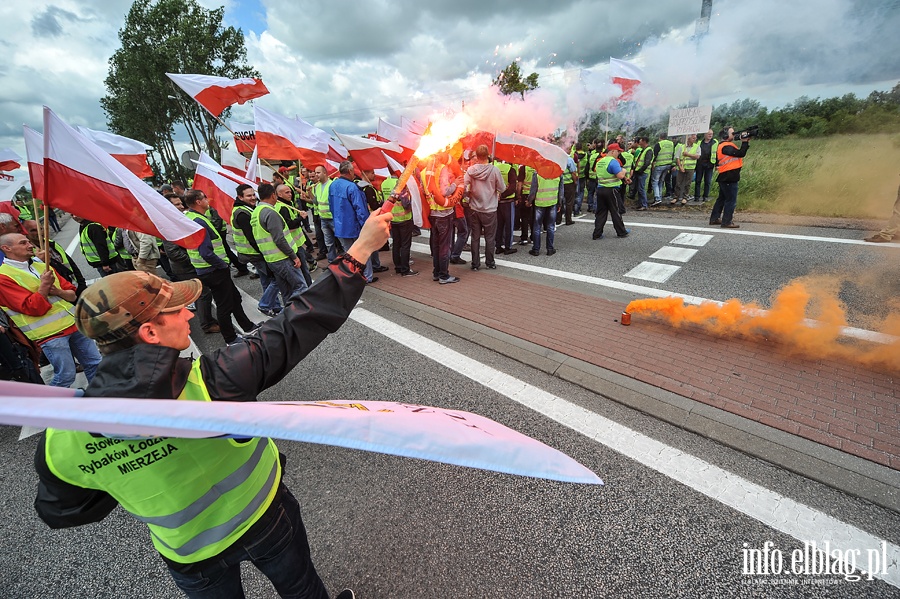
380 269
457 261
449 280
235 341
409 273
873 239
627 231
551 252
656 203
267 312
600 236
524 242
534 252
492 267
374 279
475 267
212 329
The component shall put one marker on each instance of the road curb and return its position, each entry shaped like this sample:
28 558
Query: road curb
850 474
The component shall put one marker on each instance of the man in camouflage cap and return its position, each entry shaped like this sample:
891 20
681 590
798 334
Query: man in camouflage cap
209 503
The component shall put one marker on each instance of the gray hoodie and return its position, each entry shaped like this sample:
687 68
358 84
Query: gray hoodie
484 184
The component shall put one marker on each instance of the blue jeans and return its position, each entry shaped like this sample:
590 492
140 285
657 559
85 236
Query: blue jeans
461 231
544 216
579 194
656 179
328 234
441 236
61 353
726 201
269 298
367 272
289 278
506 228
276 544
641 182
592 194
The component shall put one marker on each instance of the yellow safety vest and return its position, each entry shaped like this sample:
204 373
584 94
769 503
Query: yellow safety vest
57 319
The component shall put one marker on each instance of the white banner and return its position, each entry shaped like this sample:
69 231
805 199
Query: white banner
435 434
684 121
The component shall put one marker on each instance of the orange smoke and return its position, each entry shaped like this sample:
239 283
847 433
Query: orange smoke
806 322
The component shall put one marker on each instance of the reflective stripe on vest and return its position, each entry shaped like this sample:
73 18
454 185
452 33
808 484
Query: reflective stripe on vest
264 239
690 163
90 250
724 162
666 153
547 192
58 318
526 184
241 243
593 158
604 178
295 237
628 157
640 159
197 261
214 489
322 206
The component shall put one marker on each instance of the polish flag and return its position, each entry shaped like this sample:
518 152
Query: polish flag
407 140
244 137
368 154
548 160
219 184
234 162
411 125
83 179
253 167
281 138
34 151
8 188
131 153
626 75
218 93
9 160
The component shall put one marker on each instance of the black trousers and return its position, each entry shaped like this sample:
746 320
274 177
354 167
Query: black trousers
401 234
228 303
607 206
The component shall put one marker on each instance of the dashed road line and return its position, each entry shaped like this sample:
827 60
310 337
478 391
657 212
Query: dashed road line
673 254
653 271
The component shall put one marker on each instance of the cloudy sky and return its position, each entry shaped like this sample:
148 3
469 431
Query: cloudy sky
343 65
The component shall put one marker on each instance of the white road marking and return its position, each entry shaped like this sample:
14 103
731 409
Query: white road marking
694 239
73 244
673 254
768 507
652 271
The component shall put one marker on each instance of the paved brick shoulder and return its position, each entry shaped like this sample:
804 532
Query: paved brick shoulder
840 405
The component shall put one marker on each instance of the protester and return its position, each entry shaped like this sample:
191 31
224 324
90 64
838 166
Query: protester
401 233
98 249
609 174
642 166
544 196
686 162
705 165
484 184
61 262
278 244
442 192
248 249
663 159
349 210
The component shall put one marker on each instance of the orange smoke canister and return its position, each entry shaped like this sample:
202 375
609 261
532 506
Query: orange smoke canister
626 318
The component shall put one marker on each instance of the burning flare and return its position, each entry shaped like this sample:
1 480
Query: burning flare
786 322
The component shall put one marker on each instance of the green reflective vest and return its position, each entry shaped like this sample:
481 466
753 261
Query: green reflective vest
628 157
547 192
690 164
593 158
197 496
123 251
90 250
387 186
640 158
25 212
295 237
57 319
526 184
264 239
321 191
197 261
241 243
666 153
604 179
63 257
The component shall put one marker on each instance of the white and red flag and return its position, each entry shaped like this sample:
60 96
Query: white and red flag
234 162
218 93
407 140
369 154
83 179
9 160
130 152
548 160
626 75
219 184
34 152
411 125
244 136
253 167
282 138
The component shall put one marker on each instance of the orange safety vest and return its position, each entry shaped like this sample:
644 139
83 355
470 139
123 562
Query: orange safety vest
725 163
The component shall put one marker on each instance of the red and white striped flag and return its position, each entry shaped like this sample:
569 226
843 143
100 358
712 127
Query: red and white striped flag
218 93
411 125
282 138
407 140
83 179
34 152
130 152
253 167
244 137
626 75
548 160
219 185
9 160
369 154
234 162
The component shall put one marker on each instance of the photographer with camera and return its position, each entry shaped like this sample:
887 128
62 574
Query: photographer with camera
729 160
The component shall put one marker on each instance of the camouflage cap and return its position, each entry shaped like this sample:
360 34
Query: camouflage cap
115 307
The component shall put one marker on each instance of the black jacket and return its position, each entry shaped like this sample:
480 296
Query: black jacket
233 373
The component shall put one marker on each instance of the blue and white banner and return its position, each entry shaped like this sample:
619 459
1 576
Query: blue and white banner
427 433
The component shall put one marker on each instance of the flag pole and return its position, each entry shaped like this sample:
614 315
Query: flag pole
38 218
46 231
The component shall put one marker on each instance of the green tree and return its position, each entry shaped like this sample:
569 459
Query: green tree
174 36
510 81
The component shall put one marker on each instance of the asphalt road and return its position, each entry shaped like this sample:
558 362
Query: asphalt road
395 527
